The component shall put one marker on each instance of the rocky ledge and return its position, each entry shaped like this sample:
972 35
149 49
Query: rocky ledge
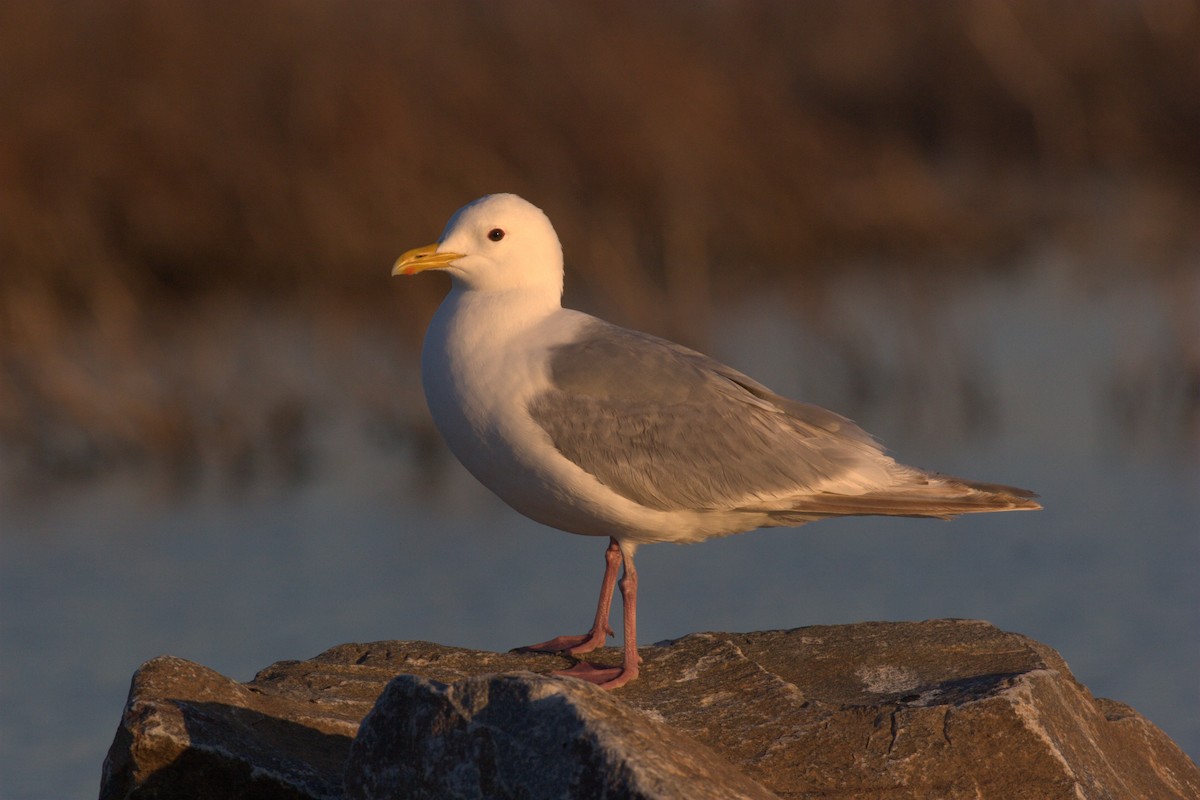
945 708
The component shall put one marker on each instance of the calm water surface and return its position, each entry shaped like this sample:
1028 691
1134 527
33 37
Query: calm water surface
96 580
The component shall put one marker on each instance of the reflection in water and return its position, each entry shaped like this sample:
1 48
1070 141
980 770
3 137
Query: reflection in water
1155 382
1012 382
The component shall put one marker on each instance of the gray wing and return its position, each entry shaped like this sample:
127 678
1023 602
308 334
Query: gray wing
673 429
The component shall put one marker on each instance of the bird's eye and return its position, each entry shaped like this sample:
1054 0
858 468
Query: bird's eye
495 234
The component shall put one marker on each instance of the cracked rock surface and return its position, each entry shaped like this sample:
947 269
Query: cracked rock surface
527 735
944 708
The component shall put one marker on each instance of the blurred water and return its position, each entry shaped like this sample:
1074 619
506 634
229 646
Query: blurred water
96 580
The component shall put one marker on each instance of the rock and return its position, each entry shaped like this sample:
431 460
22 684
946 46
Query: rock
527 735
945 708
188 731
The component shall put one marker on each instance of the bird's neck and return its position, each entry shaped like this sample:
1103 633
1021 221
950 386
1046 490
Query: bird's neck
498 315
525 304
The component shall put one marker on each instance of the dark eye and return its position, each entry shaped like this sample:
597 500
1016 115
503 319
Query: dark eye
495 234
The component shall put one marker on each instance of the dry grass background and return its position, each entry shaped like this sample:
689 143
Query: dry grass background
199 202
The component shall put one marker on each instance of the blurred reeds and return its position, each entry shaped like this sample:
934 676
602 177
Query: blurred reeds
185 186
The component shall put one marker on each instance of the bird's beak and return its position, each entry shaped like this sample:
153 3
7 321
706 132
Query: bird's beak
423 258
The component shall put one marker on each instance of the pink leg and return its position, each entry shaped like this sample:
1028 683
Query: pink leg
615 677
577 645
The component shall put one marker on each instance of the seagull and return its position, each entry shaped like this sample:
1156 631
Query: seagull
603 431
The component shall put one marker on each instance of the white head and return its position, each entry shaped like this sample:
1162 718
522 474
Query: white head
497 242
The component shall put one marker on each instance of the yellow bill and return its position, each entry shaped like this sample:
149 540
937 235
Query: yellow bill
423 258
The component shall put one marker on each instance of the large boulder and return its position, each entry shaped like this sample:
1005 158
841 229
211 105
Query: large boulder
945 708
526 735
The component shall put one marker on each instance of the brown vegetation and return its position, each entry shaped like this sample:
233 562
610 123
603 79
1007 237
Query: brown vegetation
159 157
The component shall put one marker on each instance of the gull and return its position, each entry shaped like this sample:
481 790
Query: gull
603 431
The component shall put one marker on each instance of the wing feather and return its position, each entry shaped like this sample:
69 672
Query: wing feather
673 429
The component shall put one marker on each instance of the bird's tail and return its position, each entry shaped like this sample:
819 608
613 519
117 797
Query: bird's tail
928 495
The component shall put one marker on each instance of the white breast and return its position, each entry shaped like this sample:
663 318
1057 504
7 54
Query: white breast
483 359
